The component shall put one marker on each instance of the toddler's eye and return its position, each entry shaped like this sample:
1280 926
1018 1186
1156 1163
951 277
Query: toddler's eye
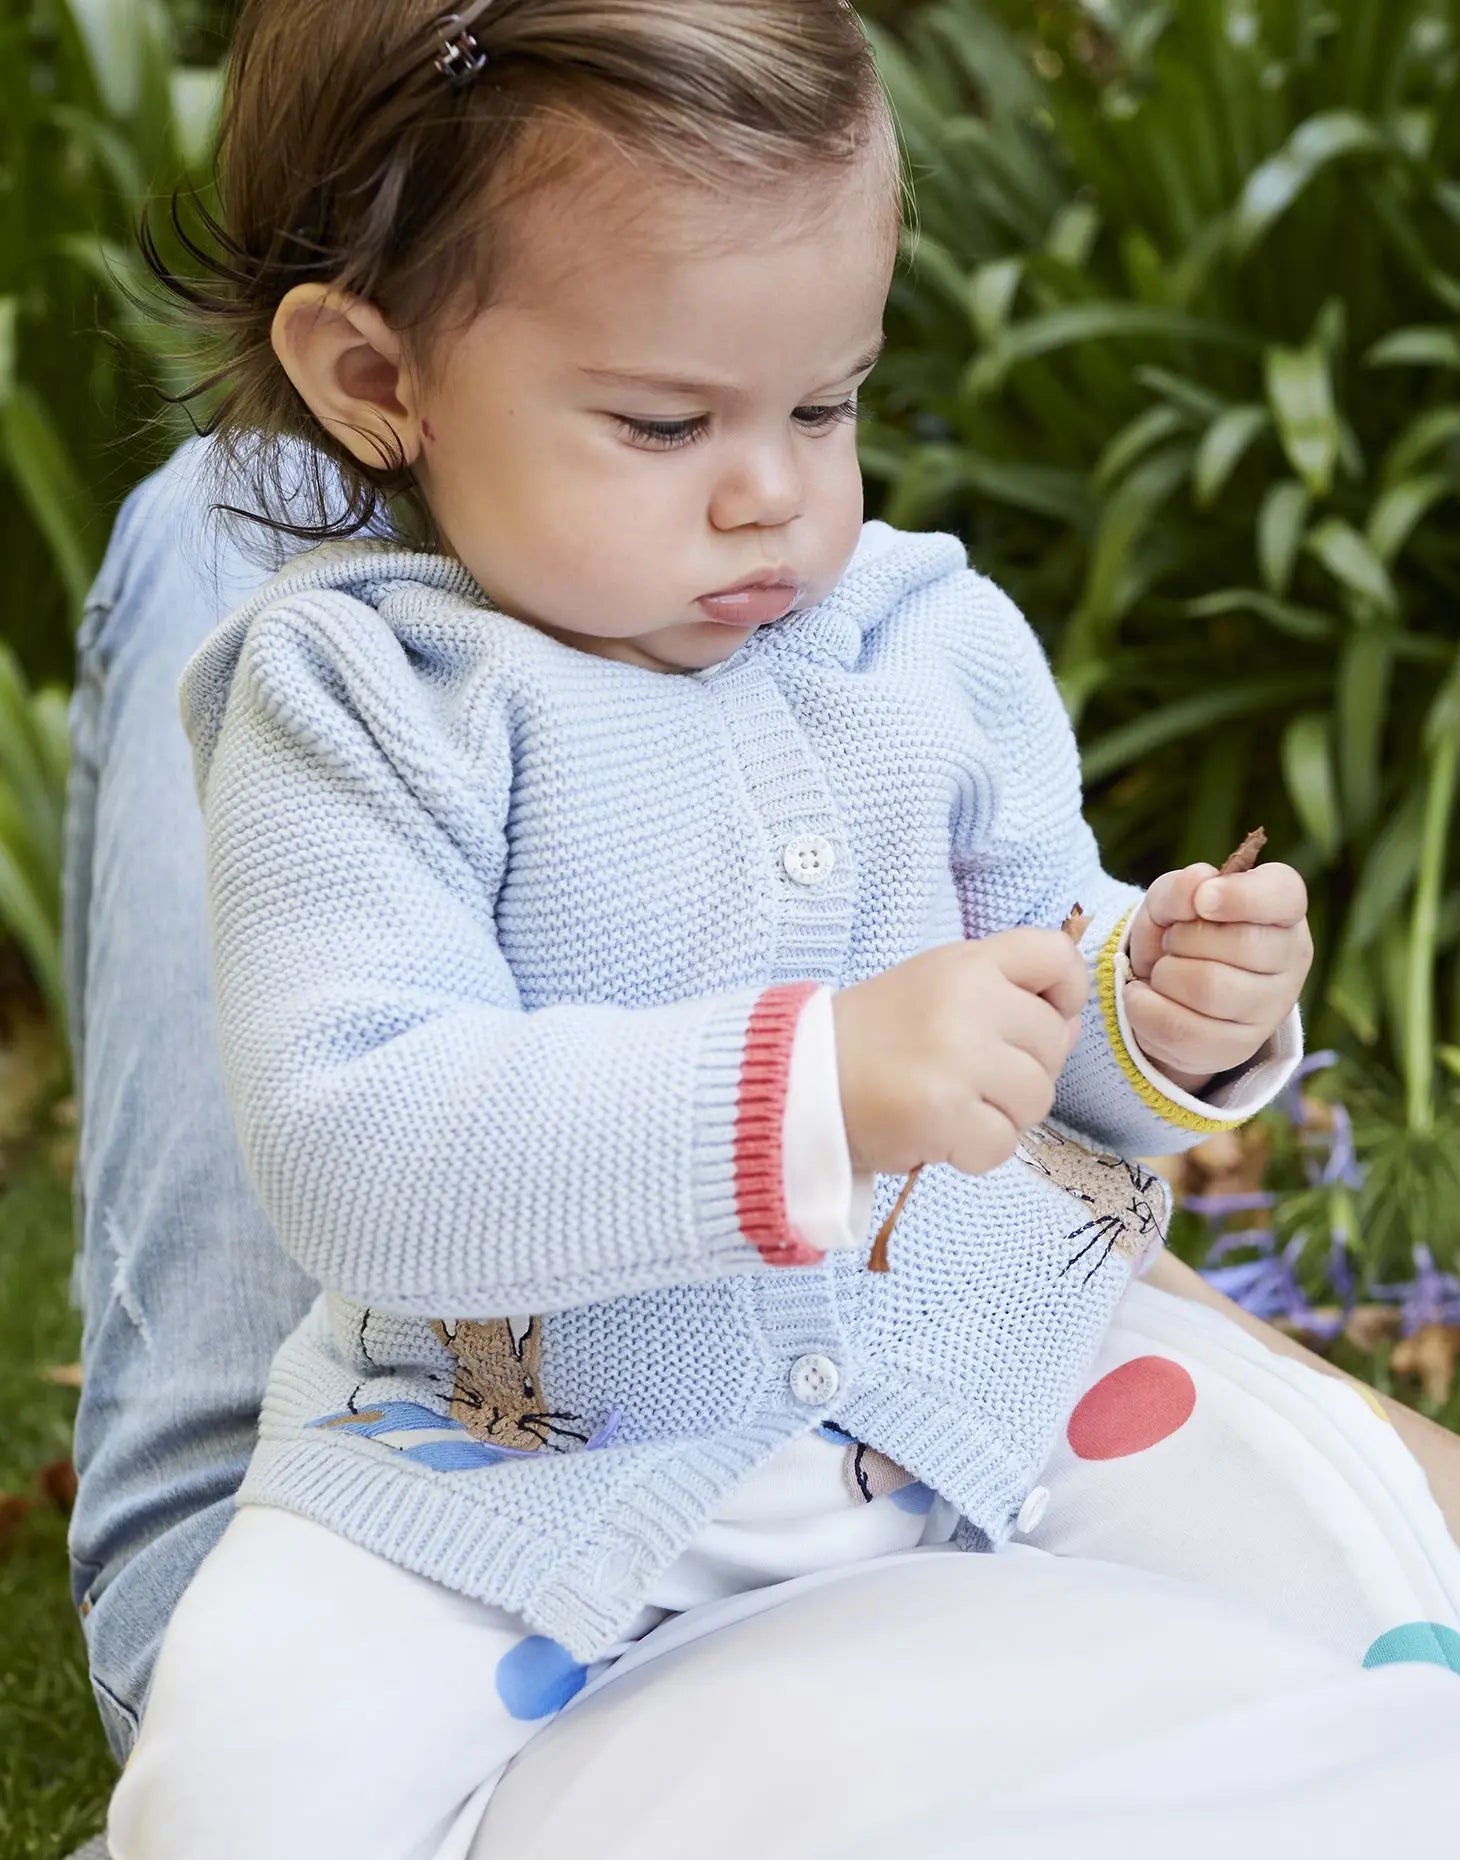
662 435
821 419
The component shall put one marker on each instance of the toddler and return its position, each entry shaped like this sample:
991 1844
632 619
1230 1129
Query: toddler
623 871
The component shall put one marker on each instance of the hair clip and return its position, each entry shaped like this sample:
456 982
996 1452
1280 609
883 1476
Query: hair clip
461 59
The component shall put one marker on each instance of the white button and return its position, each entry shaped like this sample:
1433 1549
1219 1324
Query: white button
809 859
1032 1510
814 1380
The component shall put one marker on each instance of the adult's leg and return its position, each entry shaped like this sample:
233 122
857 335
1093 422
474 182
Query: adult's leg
936 1706
1435 1447
185 1292
1198 1452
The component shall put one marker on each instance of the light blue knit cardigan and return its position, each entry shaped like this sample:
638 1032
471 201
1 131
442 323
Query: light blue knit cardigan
506 959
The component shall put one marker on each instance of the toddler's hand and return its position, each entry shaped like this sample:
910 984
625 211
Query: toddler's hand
1217 967
951 1055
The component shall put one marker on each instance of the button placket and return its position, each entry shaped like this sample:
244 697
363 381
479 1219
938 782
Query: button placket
788 787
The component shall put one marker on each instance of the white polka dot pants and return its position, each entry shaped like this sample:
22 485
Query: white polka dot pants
313 1700
1199 1454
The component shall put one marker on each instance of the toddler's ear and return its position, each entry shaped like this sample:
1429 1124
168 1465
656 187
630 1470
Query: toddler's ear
347 365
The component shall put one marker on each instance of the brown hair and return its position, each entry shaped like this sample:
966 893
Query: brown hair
346 155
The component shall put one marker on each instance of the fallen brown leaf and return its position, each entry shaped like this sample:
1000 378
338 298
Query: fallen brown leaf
1313 1338
56 1483
1370 1325
1430 1356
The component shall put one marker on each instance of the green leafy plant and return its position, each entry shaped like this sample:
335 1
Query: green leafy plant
1177 350
33 759
95 113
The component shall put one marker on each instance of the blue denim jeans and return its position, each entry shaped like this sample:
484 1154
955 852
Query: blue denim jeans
184 1291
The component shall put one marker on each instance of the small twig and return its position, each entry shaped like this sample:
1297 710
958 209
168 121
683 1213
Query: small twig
1246 855
1074 927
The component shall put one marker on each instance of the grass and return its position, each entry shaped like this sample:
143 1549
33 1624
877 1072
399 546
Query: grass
55 1770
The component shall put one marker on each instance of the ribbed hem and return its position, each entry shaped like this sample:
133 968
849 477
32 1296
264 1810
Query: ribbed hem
760 1123
582 1592
963 1455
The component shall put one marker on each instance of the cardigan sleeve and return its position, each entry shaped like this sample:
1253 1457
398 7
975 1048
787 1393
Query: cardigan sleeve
419 1141
1025 855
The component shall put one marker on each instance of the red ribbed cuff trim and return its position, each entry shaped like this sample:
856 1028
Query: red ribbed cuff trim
760 1128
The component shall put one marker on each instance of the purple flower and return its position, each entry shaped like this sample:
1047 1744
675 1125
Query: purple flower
1431 1297
1268 1286
1292 1094
1215 1206
1343 1162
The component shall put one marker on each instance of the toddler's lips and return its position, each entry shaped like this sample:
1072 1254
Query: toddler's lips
752 606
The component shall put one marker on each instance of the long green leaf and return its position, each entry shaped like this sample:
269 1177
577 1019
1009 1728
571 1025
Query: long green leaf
1442 781
1334 136
1300 392
1171 723
1351 560
1308 772
51 488
1146 431
1282 524
1389 871
1416 348
1077 324
1222 448
1427 433
1286 616
1400 509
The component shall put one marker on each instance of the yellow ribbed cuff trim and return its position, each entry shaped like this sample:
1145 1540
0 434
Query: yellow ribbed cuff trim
1149 1094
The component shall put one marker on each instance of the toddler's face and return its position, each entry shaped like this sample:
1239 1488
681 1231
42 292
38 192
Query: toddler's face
658 408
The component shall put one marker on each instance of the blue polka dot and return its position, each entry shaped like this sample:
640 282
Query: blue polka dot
916 1498
538 1677
1429 1641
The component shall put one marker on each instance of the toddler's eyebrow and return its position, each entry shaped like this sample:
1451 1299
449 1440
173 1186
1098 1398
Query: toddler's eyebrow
683 384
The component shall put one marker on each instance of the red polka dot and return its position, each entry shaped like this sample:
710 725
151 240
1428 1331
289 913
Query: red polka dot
1143 1402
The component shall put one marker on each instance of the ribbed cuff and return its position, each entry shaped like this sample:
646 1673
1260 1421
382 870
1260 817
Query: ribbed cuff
760 1191
1230 1103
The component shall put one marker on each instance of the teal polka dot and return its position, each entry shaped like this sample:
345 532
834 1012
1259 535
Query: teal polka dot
538 1677
1429 1641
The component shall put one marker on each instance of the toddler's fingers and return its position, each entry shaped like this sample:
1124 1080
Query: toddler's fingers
1182 1040
1045 962
1272 894
1215 990
1172 899
1263 949
1021 1090
1029 1022
986 1140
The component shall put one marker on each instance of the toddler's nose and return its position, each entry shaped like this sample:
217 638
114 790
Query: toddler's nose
762 490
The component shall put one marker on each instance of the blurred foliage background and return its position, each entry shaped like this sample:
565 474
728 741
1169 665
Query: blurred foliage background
1176 349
